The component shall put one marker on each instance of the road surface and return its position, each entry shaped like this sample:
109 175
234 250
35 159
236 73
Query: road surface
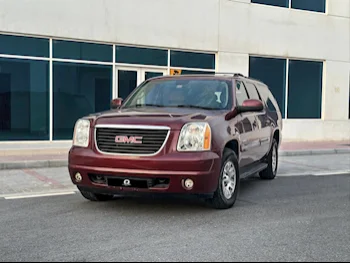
292 218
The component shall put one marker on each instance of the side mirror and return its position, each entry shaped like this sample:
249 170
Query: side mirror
116 103
250 106
247 106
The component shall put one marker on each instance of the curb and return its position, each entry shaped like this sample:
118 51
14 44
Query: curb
314 152
33 164
64 163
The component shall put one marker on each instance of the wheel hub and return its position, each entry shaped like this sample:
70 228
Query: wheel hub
274 159
229 180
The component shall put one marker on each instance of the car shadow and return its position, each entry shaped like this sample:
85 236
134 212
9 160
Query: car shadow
160 203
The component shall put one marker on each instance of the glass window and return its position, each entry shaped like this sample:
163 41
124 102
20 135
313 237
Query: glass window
142 56
82 51
272 72
192 60
79 90
151 74
305 89
127 82
310 5
252 92
24 100
241 93
267 97
184 93
24 46
281 3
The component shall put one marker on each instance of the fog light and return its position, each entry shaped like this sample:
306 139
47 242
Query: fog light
78 177
188 184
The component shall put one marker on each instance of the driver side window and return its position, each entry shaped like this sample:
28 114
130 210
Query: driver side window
241 93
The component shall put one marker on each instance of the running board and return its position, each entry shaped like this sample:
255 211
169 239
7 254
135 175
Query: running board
255 169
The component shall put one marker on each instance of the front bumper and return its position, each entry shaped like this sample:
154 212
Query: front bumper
164 173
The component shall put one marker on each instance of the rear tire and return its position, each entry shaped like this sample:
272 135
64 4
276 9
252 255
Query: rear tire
272 163
95 197
226 193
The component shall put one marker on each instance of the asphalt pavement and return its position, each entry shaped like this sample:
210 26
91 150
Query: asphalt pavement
302 218
302 215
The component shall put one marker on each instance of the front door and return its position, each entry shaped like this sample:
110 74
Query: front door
128 78
247 128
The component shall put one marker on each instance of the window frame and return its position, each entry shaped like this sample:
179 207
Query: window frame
297 9
51 60
242 83
252 83
286 102
322 80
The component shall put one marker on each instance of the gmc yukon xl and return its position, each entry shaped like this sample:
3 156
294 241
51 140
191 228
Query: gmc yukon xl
184 134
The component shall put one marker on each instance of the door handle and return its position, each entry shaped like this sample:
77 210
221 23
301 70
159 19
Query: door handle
255 124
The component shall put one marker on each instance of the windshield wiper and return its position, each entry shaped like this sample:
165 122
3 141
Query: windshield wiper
145 105
196 107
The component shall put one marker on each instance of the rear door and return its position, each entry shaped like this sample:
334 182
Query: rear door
273 117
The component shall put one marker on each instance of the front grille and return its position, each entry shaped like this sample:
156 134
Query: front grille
151 142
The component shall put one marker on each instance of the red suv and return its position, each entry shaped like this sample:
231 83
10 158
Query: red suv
187 134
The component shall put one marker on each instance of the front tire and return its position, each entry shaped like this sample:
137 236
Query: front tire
226 193
272 159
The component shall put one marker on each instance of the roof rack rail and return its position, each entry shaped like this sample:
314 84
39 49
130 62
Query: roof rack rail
234 74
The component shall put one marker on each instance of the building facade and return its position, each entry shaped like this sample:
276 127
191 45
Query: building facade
63 59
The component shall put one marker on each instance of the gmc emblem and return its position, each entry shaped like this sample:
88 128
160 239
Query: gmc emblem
128 139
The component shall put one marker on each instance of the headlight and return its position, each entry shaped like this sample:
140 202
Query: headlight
81 133
195 136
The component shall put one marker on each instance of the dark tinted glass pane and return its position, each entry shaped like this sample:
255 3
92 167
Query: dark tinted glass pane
82 51
79 90
127 82
143 56
253 94
270 106
241 93
192 60
305 89
281 3
267 97
273 73
150 74
24 100
311 5
24 46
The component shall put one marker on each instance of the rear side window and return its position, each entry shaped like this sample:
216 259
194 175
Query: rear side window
253 93
268 98
241 93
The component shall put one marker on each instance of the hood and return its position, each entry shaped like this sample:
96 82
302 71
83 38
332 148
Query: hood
171 117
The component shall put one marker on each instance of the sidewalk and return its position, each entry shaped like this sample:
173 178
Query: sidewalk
42 155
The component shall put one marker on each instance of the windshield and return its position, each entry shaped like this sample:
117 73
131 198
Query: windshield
192 93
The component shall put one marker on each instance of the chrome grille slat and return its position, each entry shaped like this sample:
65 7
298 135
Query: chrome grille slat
151 139
154 132
154 139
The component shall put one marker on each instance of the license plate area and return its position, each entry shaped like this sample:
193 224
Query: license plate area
130 182
126 182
